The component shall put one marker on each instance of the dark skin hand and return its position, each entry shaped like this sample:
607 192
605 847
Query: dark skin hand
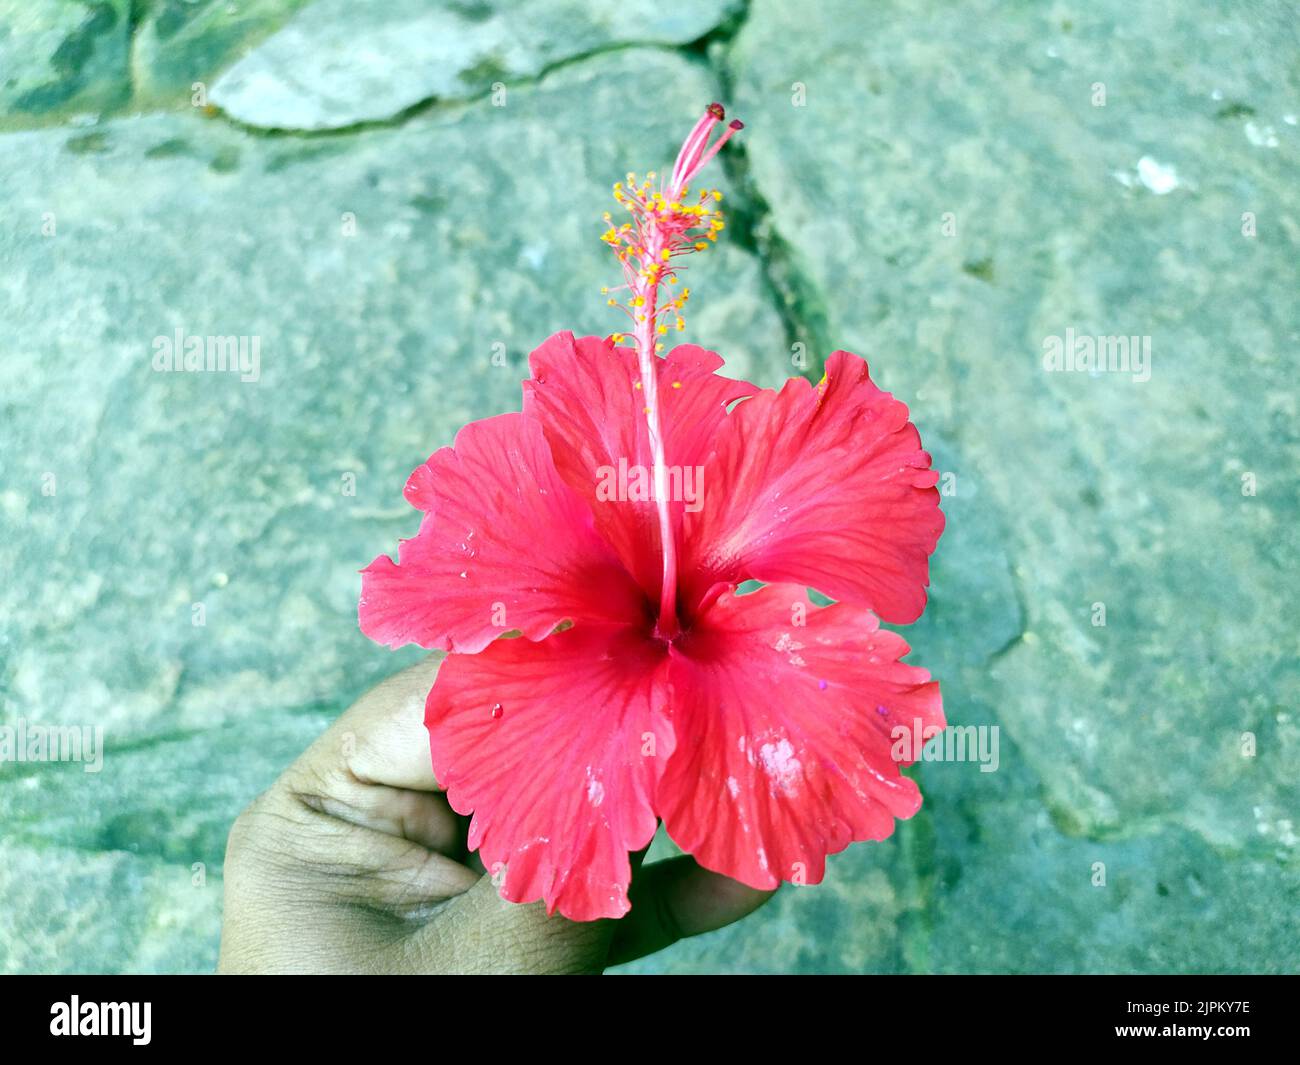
353 861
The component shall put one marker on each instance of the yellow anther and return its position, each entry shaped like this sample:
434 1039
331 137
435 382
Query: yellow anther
658 347
611 302
700 246
661 330
664 255
717 196
677 384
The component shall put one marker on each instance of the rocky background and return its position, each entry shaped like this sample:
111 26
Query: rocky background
401 198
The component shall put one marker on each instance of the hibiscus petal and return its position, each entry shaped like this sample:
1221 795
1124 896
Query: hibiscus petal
586 394
557 747
784 735
505 544
826 487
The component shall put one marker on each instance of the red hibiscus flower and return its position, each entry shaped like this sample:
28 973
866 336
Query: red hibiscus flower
606 528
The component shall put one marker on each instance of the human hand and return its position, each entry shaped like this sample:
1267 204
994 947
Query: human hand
353 861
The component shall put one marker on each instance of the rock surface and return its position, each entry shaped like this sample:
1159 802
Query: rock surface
62 58
941 189
339 63
179 43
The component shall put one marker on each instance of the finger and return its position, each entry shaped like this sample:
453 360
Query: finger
383 734
479 932
289 850
392 875
676 898
419 816
371 768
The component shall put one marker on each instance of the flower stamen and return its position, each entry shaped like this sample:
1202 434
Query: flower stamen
665 227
